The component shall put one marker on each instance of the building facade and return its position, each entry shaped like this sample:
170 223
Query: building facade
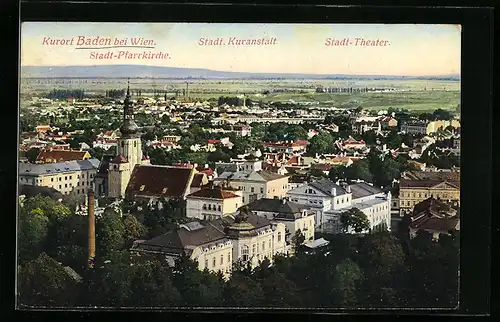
69 178
212 203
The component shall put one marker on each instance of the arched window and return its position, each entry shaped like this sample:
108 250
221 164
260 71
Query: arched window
279 237
135 144
244 252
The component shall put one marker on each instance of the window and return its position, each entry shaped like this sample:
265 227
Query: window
221 259
59 178
213 262
83 175
77 190
52 179
253 249
229 257
261 190
209 207
263 246
244 253
204 207
206 262
243 199
65 185
135 144
59 186
219 208
279 237
70 177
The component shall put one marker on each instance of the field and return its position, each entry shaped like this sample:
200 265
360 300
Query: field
406 94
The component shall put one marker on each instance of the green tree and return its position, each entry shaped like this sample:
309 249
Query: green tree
43 282
359 169
32 233
337 173
354 219
110 231
297 240
347 280
32 154
320 144
133 229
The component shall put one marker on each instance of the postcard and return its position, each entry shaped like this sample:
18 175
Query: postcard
212 165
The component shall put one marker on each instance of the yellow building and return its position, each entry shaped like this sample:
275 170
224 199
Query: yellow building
216 245
69 178
212 203
417 186
254 182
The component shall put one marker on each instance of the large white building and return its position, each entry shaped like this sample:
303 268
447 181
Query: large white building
294 216
69 178
328 200
216 245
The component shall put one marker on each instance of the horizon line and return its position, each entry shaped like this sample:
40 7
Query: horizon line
245 72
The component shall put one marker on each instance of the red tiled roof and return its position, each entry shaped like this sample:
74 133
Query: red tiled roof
213 141
159 181
214 193
119 159
60 155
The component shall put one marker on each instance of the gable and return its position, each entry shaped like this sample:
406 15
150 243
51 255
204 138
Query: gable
446 185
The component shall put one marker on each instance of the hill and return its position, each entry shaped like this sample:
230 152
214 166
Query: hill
143 71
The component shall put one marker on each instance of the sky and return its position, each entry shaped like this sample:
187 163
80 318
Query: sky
413 50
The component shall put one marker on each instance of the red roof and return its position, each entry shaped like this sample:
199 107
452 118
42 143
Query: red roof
213 141
119 159
61 155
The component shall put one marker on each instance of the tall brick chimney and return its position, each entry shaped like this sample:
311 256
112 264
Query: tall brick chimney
91 215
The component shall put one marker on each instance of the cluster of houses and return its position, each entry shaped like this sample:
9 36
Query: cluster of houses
252 207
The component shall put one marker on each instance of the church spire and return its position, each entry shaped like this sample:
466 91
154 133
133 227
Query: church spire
129 127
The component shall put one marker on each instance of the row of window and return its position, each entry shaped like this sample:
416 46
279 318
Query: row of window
212 207
214 260
425 195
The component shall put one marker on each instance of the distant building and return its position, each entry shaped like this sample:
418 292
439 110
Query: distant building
53 156
417 186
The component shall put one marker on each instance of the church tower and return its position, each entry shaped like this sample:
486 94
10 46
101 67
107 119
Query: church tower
129 152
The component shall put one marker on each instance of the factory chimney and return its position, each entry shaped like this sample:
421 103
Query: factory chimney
91 218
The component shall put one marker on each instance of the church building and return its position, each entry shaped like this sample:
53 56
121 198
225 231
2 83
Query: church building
129 152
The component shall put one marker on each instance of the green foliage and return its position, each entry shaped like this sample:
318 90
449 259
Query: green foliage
354 219
359 169
32 232
32 154
347 279
298 239
110 231
133 229
44 282
321 143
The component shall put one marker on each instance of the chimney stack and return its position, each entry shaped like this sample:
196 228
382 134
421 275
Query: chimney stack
334 192
91 217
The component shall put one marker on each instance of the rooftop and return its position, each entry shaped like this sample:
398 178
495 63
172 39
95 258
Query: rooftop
60 167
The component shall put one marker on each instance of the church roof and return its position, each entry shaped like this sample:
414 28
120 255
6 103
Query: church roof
159 181
119 159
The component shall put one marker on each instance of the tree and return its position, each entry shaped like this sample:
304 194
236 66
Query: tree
32 154
441 114
133 229
354 219
32 233
43 282
110 230
337 173
346 283
359 169
297 240
321 143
